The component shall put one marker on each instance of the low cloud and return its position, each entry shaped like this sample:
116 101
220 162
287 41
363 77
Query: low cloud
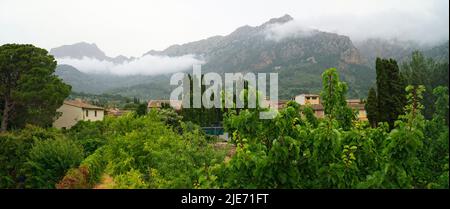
423 28
295 29
146 65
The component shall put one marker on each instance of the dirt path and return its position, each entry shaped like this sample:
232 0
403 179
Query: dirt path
225 145
107 182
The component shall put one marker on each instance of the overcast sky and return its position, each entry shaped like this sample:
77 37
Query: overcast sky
133 27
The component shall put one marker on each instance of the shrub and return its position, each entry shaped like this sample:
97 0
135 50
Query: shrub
88 134
49 160
87 174
14 149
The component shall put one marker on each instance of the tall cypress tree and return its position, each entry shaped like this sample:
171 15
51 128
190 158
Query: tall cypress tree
390 87
372 108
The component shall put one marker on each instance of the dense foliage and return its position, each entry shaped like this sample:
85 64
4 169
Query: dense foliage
390 91
35 157
400 148
371 107
428 72
291 152
156 150
385 102
30 93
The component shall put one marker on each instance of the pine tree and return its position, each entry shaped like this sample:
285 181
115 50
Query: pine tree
29 89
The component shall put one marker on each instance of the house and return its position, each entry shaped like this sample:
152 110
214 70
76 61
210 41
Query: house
319 110
158 104
304 99
73 111
272 104
116 112
359 106
314 101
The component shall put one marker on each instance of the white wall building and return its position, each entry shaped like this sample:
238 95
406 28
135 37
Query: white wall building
76 110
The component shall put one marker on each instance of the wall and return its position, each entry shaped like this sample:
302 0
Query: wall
300 99
91 114
70 117
362 115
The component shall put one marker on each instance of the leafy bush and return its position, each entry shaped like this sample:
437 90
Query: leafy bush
146 152
13 153
163 158
87 174
90 135
49 160
14 149
291 152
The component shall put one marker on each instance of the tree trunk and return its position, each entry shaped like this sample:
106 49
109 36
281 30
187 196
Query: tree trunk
5 118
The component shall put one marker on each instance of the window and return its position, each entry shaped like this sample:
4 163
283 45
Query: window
95 113
87 113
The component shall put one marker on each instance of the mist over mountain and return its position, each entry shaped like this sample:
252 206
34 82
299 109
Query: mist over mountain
101 83
439 52
255 48
298 54
399 50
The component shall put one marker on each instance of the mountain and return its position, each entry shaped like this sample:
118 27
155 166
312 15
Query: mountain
249 49
439 52
399 50
299 59
83 49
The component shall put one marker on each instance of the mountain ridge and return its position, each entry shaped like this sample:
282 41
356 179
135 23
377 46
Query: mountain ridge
299 59
82 50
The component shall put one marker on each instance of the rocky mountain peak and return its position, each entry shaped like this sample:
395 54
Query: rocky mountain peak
280 20
83 49
78 51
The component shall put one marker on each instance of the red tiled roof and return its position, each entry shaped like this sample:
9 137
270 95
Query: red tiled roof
81 104
317 106
116 112
356 104
158 103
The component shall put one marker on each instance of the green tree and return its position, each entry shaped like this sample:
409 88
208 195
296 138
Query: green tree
333 99
201 116
29 90
141 109
425 71
390 91
308 112
441 104
371 107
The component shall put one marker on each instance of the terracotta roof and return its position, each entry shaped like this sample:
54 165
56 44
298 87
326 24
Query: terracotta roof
116 111
81 104
308 95
278 104
158 103
317 106
356 104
